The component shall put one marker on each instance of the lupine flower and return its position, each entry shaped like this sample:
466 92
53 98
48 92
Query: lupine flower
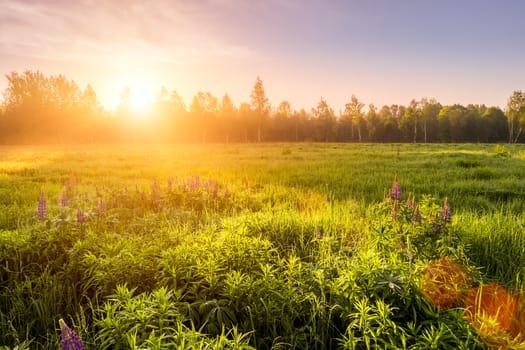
417 215
155 191
395 211
226 193
410 202
80 216
170 184
63 199
446 212
216 189
69 338
102 207
395 192
246 183
197 181
438 228
42 207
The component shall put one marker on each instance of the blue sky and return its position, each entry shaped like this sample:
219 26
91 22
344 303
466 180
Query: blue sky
382 51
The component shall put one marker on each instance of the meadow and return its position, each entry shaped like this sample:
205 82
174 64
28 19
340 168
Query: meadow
263 246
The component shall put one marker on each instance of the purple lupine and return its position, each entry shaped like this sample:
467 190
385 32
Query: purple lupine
81 217
63 199
155 191
395 211
410 202
417 215
395 192
102 208
197 181
446 212
69 339
216 189
42 207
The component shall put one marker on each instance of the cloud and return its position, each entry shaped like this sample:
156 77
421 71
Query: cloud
165 31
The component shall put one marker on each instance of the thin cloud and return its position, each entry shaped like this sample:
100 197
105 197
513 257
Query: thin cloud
80 30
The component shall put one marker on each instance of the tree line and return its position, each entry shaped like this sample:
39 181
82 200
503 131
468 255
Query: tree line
53 109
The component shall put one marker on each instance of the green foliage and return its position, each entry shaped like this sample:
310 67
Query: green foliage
298 253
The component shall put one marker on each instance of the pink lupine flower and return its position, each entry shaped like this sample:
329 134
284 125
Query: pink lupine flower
80 216
395 192
417 215
42 207
69 339
63 199
446 212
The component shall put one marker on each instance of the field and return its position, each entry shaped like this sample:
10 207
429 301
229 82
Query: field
270 246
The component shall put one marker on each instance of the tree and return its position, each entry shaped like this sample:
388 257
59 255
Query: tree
429 113
203 109
325 118
260 104
493 125
408 122
227 117
372 123
516 115
353 111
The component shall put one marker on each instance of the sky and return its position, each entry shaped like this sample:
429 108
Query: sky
382 51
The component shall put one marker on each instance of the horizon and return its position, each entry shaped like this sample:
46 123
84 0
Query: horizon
383 53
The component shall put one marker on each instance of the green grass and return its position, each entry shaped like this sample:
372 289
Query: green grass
263 246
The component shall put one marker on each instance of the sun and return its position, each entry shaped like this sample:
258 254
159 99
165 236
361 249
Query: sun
136 96
141 98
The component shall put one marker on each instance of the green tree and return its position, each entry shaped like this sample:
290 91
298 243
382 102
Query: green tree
354 113
409 121
516 115
325 118
261 106
429 118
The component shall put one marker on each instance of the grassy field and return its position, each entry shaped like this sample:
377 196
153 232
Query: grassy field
271 246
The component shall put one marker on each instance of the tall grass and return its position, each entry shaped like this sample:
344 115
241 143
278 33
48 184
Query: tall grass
239 246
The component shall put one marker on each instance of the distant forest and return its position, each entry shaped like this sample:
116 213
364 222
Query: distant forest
40 109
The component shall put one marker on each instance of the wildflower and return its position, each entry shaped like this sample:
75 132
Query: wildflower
197 181
226 193
395 192
80 216
155 191
395 211
438 228
102 207
417 215
69 338
170 184
446 212
42 207
246 183
216 189
410 202
63 200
